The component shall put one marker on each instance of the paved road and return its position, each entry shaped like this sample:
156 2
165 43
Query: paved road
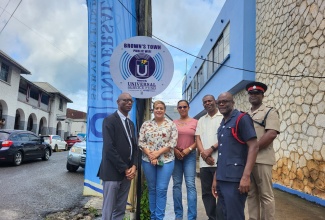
36 188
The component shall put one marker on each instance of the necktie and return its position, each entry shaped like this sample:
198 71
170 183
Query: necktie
128 129
127 125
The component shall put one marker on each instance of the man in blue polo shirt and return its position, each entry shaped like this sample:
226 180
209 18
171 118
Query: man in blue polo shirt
235 160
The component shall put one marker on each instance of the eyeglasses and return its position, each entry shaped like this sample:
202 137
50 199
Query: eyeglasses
184 107
223 102
127 100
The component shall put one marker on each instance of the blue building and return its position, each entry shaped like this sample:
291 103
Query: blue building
230 43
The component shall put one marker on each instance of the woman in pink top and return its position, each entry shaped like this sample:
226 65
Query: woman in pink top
185 162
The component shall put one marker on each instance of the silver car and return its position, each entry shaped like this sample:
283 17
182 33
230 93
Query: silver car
77 156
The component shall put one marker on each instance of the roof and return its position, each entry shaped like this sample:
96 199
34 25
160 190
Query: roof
49 88
33 84
74 114
5 56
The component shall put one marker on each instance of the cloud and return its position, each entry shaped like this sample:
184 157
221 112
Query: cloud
184 24
49 38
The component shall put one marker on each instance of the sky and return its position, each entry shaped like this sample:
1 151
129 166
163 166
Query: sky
49 38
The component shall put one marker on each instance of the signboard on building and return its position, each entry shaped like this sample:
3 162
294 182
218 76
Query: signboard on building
141 66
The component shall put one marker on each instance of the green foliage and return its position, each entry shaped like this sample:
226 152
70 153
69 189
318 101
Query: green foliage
144 203
93 211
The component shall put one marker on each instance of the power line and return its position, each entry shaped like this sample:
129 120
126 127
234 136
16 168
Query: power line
40 35
10 16
5 8
221 64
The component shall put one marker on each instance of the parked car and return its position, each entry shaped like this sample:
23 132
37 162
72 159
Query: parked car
56 142
77 156
81 135
17 146
71 140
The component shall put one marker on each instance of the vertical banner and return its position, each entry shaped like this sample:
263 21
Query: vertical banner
109 23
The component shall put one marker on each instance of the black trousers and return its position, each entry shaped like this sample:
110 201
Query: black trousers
213 211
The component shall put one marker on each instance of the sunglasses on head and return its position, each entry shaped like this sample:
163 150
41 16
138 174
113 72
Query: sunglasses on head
184 107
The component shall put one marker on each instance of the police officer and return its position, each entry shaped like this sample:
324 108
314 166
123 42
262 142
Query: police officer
260 199
235 159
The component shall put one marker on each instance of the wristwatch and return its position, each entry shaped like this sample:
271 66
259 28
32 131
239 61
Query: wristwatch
214 148
190 148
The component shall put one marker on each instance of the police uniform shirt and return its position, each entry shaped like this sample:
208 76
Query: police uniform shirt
232 155
266 155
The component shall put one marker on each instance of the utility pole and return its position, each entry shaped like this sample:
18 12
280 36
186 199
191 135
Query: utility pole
144 18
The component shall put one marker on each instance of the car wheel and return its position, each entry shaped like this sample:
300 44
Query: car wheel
56 148
46 154
66 147
72 168
18 158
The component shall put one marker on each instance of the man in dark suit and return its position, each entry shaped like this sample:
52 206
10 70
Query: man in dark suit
119 159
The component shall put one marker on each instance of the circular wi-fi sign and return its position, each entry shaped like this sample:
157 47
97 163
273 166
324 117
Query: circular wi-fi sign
141 66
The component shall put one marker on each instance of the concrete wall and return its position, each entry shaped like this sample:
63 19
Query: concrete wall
290 41
8 90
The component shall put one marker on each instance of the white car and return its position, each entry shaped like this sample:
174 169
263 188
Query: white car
56 142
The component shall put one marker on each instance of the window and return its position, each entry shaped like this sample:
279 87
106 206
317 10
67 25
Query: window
23 89
194 86
24 137
4 73
210 64
15 137
221 48
34 93
61 104
215 58
189 93
33 137
45 99
226 41
200 79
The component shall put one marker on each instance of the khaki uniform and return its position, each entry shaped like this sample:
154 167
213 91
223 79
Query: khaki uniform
260 199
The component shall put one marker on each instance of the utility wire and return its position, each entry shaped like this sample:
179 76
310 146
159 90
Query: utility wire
221 64
10 16
5 7
44 38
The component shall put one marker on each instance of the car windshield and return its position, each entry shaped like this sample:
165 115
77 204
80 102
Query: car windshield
46 138
4 136
72 138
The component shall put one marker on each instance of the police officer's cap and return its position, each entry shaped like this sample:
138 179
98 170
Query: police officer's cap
256 86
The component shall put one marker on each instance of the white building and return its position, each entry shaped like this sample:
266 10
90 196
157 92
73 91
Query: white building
25 105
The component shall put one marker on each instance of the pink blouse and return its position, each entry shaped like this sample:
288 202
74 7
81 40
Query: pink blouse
186 133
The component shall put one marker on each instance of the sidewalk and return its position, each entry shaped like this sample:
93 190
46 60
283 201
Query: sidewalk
287 206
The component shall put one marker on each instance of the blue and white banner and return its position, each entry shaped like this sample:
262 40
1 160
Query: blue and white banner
109 23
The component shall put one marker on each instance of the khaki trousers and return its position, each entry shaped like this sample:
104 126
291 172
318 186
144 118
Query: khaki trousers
260 200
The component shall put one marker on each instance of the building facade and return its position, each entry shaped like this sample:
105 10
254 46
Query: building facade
77 122
26 105
289 56
210 72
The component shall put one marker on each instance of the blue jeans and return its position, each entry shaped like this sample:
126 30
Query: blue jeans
187 166
158 178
